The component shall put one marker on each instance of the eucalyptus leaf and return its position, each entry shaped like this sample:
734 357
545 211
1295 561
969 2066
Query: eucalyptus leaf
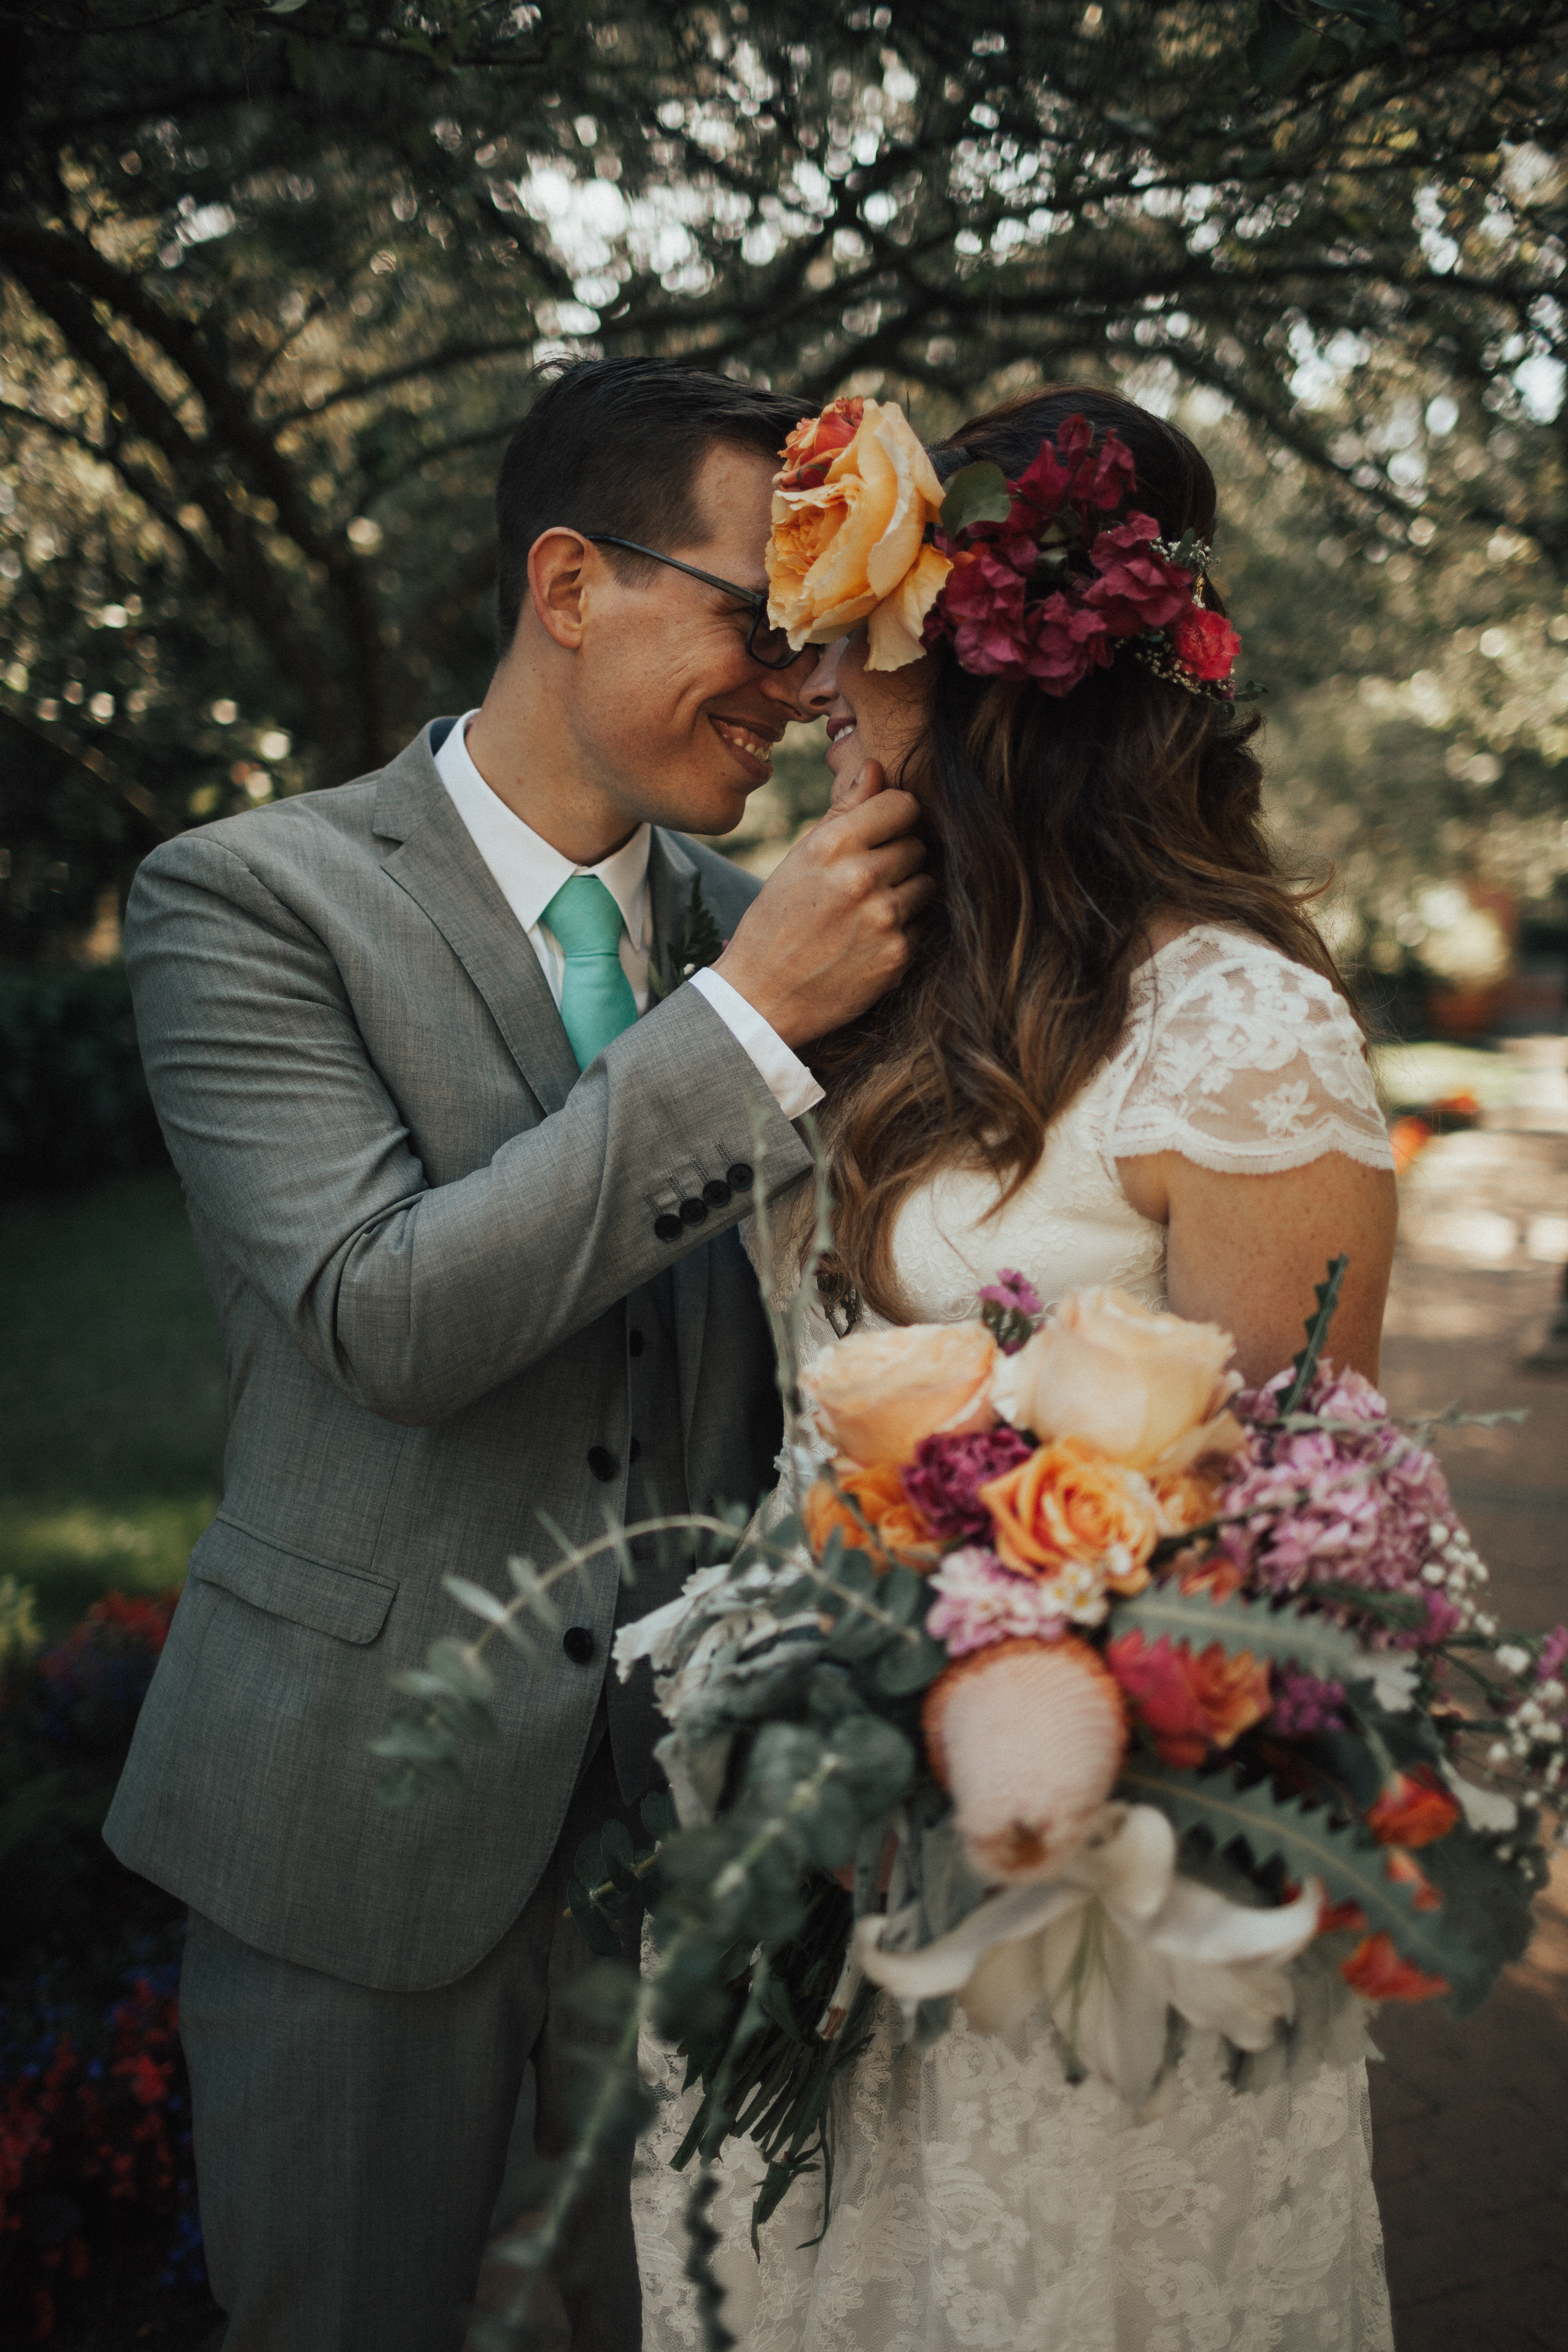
615 1842
541 1602
477 1597
456 1670
595 1931
415 1738
905 1667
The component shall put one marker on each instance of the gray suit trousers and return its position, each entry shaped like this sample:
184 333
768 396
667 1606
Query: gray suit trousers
350 2142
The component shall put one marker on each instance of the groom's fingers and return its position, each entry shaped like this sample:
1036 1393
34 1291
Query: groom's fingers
863 785
826 935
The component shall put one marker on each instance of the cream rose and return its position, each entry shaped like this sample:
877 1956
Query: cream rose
852 549
878 1394
1146 1389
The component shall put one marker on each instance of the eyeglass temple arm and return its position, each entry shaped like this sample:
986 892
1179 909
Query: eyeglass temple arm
755 597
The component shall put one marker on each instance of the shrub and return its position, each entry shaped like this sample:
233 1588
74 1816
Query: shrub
74 1103
95 2146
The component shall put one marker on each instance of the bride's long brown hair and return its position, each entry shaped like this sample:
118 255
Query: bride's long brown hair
1060 829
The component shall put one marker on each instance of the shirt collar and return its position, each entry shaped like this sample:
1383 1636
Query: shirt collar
529 869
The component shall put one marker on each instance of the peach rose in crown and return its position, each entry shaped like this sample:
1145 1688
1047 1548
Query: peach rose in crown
852 548
878 1394
1149 1389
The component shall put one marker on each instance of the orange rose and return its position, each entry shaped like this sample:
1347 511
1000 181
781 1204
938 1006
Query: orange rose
1190 1703
1217 1576
878 1394
1182 1500
816 441
1417 1810
853 548
877 1495
1067 1502
1376 1971
1146 1389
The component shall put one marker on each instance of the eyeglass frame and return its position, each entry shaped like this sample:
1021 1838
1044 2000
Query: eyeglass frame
756 597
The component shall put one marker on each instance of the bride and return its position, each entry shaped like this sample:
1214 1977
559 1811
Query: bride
1123 1056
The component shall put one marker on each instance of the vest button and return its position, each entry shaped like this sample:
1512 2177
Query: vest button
693 1211
716 1192
667 1228
634 1343
739 1178
578 1644
601 1462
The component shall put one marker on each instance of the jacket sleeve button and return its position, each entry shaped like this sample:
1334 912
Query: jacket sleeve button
667 1228
693 1211
739 1178
578 1644
601 1462
716 1192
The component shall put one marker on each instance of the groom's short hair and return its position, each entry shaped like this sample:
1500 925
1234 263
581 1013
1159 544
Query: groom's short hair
617 445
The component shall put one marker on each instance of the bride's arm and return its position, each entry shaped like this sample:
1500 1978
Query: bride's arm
1245 1251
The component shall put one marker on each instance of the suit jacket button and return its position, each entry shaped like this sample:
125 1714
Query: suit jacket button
716 1192
739 1178
667 1228
693 1212
578 1644
601 1462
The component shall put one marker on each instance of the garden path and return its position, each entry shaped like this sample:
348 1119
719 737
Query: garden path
1470 2120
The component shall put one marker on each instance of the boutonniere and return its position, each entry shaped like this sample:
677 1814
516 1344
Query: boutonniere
697 944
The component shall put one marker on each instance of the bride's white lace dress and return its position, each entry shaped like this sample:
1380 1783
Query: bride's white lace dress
979 2200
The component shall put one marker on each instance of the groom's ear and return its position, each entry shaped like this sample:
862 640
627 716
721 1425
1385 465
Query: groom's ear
561 566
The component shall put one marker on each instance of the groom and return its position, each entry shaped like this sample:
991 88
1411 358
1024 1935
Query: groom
468 1222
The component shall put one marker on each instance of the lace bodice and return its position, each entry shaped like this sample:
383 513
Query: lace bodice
1234 1056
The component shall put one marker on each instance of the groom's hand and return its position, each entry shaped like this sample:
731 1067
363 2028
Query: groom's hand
829 932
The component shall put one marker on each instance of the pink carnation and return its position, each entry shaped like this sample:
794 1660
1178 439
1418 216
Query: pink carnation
980 1602
1356 1506
1303 1704
944 1479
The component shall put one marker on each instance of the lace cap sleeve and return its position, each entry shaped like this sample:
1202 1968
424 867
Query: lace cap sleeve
1243 1062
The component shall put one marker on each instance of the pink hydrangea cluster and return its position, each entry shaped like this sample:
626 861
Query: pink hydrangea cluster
980 1602
1355 1503
944 1479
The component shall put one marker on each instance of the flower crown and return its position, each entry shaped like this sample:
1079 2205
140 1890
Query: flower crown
1021 577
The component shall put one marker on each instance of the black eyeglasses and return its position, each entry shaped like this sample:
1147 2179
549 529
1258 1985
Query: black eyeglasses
766 644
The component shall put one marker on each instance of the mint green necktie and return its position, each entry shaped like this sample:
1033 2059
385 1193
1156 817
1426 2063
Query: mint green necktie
597 1000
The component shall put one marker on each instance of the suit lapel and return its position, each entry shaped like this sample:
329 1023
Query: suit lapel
433 857
670 873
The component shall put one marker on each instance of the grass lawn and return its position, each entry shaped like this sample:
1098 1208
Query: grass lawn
111 1393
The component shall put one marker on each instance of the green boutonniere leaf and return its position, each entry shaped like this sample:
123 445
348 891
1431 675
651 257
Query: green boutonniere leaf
698 944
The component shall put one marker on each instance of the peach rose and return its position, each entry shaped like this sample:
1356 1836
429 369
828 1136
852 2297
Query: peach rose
1067 1502
816 441
853 548
878 1394
1147 1389
878 1496
1182 1500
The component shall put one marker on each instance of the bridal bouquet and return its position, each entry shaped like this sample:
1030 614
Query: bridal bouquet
1077 1676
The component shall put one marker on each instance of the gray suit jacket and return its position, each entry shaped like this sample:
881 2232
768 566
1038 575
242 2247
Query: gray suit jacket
417 1221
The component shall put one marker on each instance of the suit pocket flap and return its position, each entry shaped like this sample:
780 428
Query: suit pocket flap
349 1603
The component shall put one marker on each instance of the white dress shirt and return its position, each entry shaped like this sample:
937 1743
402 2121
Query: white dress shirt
529 872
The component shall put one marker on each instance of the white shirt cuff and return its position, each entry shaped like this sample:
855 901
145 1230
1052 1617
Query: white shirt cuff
786 1078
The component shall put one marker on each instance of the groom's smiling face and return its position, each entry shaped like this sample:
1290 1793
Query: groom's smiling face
672 717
